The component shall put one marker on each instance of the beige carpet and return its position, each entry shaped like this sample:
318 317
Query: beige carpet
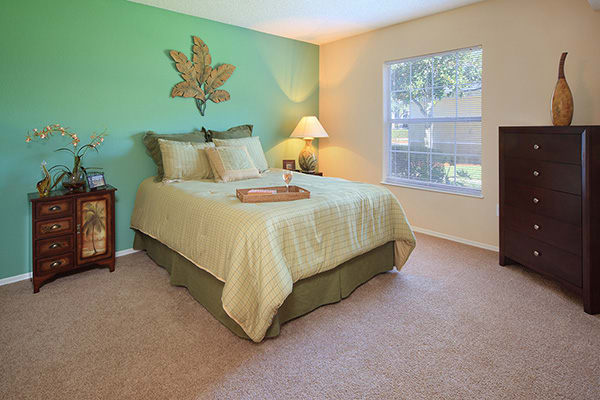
451 324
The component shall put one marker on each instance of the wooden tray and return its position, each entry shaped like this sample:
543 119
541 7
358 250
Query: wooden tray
294 193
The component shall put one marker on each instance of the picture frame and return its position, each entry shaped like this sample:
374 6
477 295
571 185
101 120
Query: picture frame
96 180
289 164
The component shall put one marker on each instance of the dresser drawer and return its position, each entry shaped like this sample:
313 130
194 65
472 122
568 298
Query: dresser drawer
53 227
564 207
61 263
549 175
562 235
543 257
53 246
548 147
50 209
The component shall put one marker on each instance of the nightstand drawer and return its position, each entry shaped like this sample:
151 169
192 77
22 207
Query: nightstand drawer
53 246
49 209
549 175
53 227
54 264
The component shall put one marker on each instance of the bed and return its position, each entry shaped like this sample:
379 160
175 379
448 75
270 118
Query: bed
256 266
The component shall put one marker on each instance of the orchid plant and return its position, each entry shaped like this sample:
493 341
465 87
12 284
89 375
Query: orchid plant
74 175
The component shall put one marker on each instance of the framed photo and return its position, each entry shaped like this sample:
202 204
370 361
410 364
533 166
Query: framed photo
96 180
289 164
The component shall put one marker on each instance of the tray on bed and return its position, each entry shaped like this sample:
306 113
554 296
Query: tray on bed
273 193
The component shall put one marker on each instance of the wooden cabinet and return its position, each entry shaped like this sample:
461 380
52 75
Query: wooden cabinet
550 205
72 231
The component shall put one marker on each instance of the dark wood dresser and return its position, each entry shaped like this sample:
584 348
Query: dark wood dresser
550 204
72 231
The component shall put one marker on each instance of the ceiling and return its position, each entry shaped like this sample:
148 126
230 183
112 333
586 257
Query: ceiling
315 21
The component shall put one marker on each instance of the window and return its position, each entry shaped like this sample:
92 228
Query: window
433 121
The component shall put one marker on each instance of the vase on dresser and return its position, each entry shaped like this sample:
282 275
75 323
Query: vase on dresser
562 99
550 205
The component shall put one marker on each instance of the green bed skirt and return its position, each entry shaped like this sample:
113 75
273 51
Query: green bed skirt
307 294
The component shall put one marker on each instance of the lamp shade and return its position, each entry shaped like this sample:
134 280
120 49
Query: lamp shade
309 127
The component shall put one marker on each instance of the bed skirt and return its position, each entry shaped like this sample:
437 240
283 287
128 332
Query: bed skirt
307 294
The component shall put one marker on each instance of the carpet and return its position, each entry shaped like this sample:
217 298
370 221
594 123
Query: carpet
452 324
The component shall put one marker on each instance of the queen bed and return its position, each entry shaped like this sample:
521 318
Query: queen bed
255 266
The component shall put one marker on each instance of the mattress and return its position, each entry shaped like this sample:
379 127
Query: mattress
259 250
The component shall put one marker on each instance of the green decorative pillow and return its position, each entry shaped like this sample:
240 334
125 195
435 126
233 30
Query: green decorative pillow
185 160
236 132
153 148
254 149
231 163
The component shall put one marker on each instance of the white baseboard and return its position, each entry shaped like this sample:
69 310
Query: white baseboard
456 239
22 277
16 278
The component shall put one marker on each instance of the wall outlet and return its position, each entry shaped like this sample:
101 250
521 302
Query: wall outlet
497 210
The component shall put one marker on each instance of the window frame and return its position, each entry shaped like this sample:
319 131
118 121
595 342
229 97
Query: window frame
387 179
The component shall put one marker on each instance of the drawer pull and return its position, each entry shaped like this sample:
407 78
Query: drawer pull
55 208
536 253
536 173
54 245
55 227
55 264
536 227
536 146
536 200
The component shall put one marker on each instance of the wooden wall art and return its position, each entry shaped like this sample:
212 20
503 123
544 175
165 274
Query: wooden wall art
200 80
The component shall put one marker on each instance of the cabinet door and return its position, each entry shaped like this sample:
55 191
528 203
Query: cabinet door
95 231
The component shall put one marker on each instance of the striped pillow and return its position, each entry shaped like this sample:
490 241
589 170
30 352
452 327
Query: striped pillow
231 163
185 160
254 149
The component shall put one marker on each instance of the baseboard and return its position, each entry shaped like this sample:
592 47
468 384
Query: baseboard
455 239
22 277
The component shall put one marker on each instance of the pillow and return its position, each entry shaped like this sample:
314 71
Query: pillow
254 149
232 133
185 160
150 140
232 163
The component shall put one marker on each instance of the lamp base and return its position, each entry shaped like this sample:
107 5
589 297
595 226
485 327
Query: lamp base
307 160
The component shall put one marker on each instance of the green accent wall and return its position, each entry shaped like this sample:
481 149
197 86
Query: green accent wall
103 64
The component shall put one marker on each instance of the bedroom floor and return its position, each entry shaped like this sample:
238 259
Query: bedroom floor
451 324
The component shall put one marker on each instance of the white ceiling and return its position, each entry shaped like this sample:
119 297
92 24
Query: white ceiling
315 21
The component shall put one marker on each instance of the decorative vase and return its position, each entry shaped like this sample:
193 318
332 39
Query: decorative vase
74 180
307 158
562 100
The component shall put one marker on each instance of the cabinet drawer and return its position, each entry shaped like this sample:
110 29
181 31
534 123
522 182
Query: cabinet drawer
53 246
53 227
562 235
63 262
548 147
49 209
557 205
549 175
543 257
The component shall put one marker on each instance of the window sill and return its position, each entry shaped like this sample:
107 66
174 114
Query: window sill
410 185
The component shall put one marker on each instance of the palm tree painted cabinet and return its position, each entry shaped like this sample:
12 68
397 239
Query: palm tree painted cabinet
72 231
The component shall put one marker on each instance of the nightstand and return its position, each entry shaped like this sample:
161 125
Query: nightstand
310 173
72 231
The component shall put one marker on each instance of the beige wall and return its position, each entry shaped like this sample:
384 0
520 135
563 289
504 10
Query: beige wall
522 42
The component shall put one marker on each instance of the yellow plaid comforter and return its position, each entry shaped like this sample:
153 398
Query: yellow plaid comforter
260 250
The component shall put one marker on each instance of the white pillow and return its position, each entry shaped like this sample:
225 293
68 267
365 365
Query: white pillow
185 160
254 149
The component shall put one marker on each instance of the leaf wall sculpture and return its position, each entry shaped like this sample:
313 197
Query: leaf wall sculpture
200 80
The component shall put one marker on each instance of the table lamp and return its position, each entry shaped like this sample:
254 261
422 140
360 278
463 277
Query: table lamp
308 128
